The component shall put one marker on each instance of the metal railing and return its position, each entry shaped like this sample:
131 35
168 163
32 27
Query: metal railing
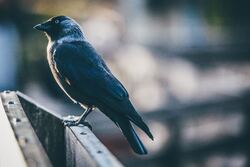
33 136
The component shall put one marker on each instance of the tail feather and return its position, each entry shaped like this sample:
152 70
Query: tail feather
137 120
131 136
127 129
141 124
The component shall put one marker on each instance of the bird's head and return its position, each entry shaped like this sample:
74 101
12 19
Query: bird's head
61 27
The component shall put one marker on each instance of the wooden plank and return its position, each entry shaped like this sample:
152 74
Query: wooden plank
31 150
84 149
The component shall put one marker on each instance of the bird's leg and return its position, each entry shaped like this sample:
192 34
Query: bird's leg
84 116
75 120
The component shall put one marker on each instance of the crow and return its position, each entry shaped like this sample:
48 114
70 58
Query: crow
85 78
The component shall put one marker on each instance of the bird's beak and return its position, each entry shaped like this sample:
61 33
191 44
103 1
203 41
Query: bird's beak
42 27
38 27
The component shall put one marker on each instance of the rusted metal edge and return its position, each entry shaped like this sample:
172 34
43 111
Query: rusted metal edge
29 144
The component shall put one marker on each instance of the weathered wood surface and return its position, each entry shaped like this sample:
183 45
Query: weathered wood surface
19 143
73 146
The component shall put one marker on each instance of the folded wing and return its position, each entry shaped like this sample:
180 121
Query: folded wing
87 73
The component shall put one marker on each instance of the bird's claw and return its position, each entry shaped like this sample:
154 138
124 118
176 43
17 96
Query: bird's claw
75 121
70 120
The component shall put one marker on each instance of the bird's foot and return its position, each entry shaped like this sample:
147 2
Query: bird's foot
72 120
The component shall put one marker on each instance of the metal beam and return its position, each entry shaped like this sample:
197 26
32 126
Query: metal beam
19 143
74 146
81 142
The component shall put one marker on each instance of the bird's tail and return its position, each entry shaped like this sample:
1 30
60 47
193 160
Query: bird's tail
137 120
131 136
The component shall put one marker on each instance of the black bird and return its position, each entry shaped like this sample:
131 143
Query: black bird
83 75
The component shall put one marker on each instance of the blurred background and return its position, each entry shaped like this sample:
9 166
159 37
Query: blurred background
185 63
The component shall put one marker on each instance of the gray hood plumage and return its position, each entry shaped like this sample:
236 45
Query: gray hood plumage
61 28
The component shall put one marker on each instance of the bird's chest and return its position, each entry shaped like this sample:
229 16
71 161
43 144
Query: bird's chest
52 64
61 80
65 84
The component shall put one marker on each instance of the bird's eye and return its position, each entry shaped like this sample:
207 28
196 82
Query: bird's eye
56 21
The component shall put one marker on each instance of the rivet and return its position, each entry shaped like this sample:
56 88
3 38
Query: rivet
83 133
11 102
22 140
7 91
16 119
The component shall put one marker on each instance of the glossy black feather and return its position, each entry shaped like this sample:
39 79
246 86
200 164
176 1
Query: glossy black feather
124 124
84 76
88 75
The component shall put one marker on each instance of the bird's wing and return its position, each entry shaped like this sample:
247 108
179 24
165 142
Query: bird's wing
85 70
87 73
